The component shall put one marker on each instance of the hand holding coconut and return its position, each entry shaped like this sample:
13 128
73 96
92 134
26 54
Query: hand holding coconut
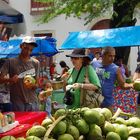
29 82
46 92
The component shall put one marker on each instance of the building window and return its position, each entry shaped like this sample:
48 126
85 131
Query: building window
39 7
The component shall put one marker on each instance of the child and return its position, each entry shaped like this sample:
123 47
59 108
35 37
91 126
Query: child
45 96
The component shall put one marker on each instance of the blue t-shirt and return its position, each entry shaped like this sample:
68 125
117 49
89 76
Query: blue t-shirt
107 76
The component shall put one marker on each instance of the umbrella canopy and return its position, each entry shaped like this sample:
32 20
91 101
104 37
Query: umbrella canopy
9 15
46 46
117 37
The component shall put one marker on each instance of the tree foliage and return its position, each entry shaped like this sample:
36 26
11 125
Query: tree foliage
76 8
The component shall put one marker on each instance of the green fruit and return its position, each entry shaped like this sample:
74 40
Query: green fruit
95 132
97 109
116 125
36 130
82 110
107 113
60 128
92 116
108 127
128 80
65 137
136 85
113 136
82 126
45 123
120 120
20 138
32 138
134 121
73 131
135 133
8 138
122 130
59 112
102 120
130 128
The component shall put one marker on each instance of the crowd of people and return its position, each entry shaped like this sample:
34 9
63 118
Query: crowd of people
88 76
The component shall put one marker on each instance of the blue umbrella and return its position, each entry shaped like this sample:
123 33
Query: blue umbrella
46 46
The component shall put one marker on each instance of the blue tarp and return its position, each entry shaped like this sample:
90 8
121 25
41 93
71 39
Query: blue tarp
11 19
117 37
46 46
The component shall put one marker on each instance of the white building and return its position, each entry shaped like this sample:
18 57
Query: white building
59 27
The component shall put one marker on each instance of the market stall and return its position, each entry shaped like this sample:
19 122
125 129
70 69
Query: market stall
117 37
22 121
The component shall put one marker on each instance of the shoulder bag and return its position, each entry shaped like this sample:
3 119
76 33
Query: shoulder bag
90 98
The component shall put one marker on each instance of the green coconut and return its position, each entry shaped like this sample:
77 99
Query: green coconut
113 136
8 138
36 130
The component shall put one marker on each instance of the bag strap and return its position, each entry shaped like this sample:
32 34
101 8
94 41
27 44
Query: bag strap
86 74
78 74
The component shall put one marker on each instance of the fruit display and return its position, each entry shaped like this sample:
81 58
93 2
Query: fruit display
85 124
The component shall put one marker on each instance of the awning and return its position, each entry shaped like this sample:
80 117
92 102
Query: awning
9 15
117 37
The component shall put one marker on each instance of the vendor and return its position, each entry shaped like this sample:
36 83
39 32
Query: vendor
23 98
